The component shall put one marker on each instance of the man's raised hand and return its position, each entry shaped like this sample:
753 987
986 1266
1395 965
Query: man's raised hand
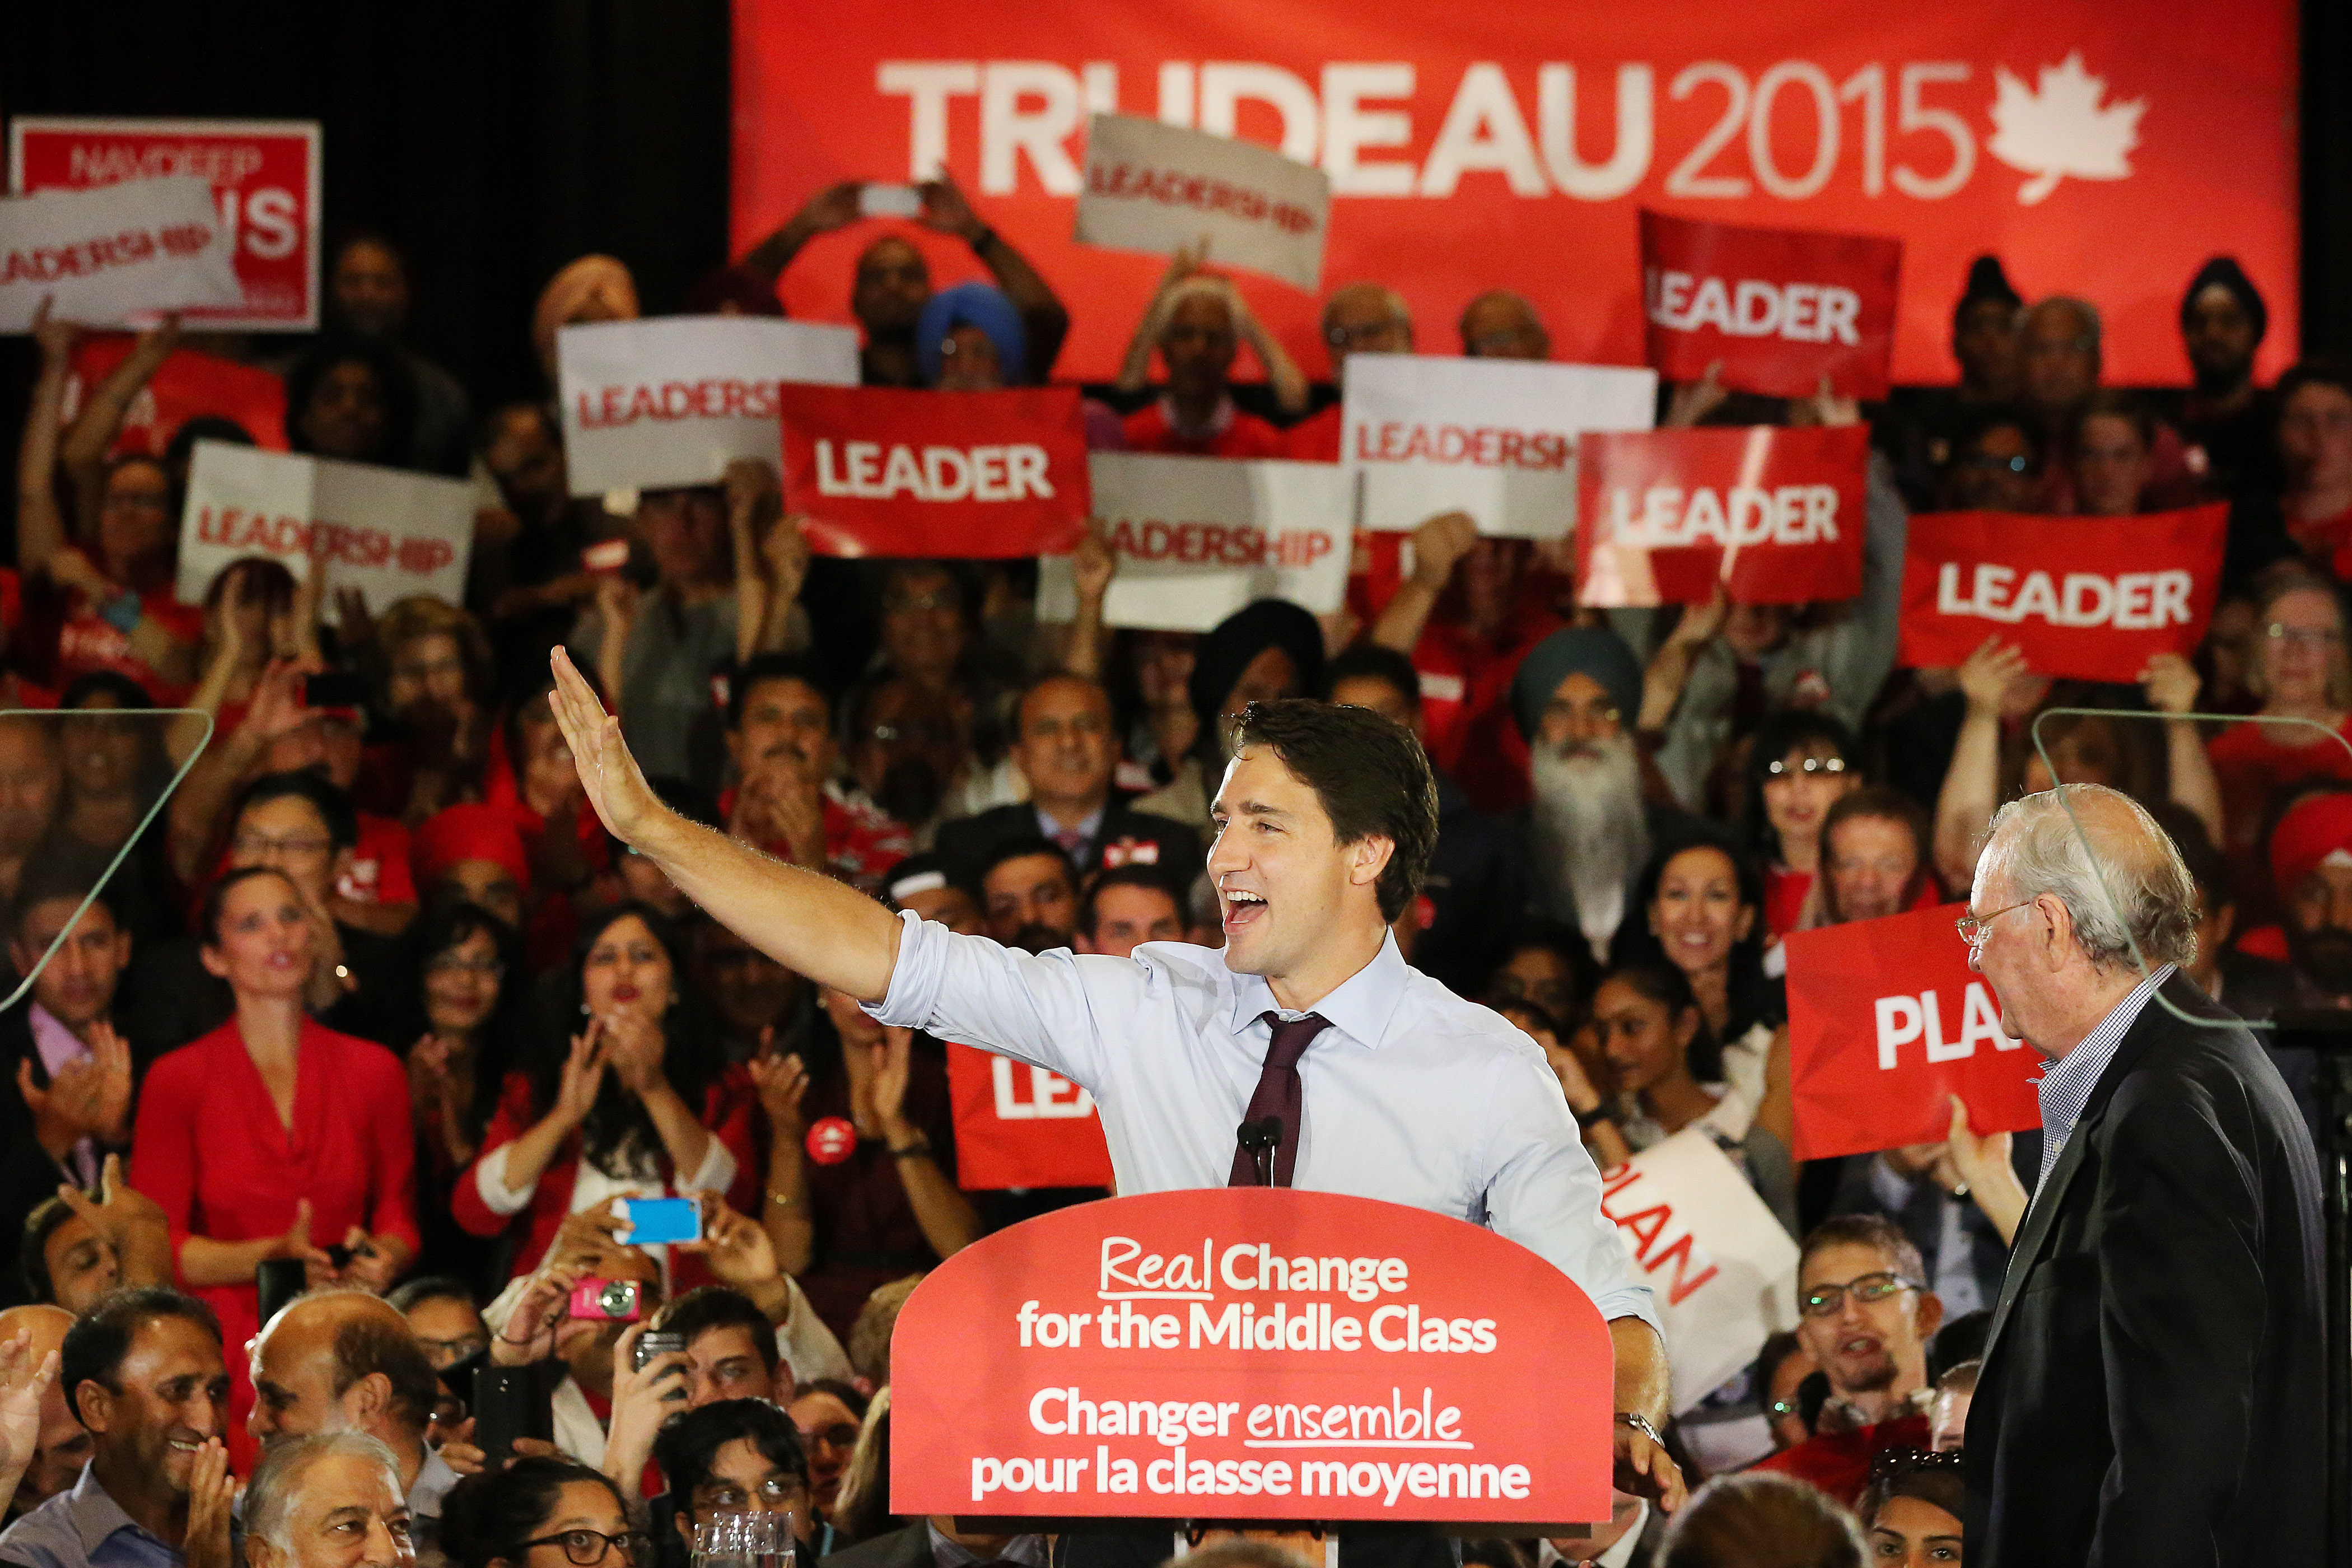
611 778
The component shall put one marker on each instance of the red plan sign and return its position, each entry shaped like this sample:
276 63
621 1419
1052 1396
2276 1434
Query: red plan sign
265 182
1885 1021
1777 516
2093 598
882 471
1251 1353
1779 307
1020 1126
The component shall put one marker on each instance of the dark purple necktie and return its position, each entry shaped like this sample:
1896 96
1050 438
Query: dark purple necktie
1279 1096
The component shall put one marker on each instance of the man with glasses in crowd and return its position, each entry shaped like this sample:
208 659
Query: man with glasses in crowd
1362 317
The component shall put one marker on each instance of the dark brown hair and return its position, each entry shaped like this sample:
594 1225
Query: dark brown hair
1369 776
1762 1519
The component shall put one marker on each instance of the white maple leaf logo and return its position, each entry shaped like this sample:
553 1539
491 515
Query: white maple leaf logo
2060 129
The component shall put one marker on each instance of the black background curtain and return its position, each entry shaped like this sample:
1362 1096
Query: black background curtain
497 140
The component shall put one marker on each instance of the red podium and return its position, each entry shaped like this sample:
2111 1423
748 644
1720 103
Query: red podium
1252 1354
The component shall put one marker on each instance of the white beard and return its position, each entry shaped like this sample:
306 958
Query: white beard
1589 835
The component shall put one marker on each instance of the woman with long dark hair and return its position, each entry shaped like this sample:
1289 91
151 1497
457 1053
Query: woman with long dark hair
1802 762
474 1026
624 1095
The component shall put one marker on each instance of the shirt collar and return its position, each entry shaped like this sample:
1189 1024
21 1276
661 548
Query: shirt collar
2066 1086
1219 423
1029 1549
1360 1008
1087 829
96 1516
56 1042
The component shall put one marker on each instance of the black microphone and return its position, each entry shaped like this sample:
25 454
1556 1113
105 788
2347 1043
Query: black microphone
1261 1138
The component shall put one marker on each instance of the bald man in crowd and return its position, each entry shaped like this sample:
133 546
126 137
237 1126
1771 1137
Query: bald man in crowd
1499 324
345 1361
1361 318
2152 1385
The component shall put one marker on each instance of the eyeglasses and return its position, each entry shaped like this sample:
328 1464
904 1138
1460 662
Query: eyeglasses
842 1435
1780 768
1972 927
586 1548
2303 637
727 1497
1824 1301
1368 331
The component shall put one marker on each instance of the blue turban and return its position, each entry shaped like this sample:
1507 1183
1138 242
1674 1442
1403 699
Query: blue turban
1592 651
973 305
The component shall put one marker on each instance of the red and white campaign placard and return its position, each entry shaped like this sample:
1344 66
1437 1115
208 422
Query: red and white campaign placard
125 253
264 177
1198 537
1251 1353
1721 1270
1776 516
1477 147
2093 598
385 531
1155 188
1017 1125
673 400
1885 1021
875 470
1780 308
1496 439
186 384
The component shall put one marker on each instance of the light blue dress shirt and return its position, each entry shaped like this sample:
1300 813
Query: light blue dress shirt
1413 1095
83 1527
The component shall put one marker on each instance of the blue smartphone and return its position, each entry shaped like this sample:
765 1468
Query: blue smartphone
661 1220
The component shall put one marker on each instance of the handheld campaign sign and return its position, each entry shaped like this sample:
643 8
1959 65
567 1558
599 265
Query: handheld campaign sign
2090 597
1251 1353
103 257
1154 187
385 531
1496 439
673 400
186 384
1885 1019
1198 537
1776 516
1780 307
262 180
879 470
1020 1126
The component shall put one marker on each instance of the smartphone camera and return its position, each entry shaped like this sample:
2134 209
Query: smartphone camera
655 1344
607 1301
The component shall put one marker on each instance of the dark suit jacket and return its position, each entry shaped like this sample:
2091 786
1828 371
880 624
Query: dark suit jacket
27 1174
970 840
2151 1387
909 1547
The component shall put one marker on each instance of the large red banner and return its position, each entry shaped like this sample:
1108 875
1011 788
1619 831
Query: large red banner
1020 1126
188 384
1776 516
1251 1353
1886 1021
1780 310
2093 598
265 176
1482 147
877 470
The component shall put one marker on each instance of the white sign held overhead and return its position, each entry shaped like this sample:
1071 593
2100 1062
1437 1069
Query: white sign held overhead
1153 187
673 400
111 256
385 531
1198 537
1496 439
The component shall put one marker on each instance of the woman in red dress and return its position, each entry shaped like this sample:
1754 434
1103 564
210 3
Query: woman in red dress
273 1136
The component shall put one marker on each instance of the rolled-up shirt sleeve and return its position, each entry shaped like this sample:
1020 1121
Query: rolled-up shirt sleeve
1544 1192
1047 1009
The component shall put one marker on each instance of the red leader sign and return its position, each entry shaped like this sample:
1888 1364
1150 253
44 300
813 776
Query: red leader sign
883 471
1780 309
2093 598
265 175
1251 1353
188 384
1477 147
1776 516
1885 1021
1020 1126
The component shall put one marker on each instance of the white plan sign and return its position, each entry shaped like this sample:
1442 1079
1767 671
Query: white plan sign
1153 187
673 401
106 255
1198 537
385 531
1496 439
1719 1268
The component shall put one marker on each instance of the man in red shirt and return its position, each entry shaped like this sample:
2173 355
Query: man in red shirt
1200 322
1362 317
1499 324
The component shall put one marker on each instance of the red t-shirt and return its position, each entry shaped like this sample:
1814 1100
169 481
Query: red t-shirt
1839 1462
1465 690
1240 436
1315 439
379 873
2252 767
88 642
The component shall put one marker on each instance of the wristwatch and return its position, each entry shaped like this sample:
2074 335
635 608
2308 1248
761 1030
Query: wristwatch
915 1151
1639 1423
1585 1120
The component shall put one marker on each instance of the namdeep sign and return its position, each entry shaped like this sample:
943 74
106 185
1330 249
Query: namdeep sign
1251 1353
